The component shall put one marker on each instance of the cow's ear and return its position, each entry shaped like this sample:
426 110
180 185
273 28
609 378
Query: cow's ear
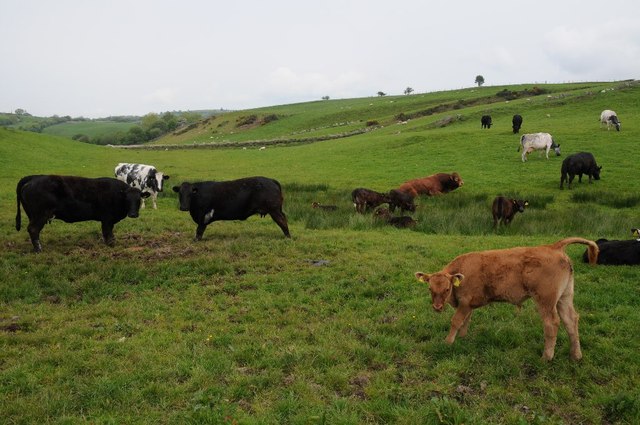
526 203
456 279
422 277
176 188
165 177
600 167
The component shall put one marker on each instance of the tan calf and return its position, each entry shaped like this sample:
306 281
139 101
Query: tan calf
513 275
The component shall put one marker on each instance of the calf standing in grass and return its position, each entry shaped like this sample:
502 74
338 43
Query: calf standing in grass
364 199
544 273
505 208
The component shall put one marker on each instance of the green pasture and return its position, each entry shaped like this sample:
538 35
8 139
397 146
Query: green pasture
330 326
91 129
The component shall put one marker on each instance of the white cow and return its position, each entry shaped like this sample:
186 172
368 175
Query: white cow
143 177
537 141
609 118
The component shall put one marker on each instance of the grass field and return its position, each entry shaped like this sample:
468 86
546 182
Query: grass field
330 326
91 129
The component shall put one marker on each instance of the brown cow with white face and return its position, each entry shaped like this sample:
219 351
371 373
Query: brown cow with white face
513 275
435 184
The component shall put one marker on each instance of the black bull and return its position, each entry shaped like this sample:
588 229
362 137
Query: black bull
232 200
72 199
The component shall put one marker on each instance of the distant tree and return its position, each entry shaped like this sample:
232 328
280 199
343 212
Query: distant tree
479 80
170 120
148 121
408 90
20 111
381 93
191 117
325 97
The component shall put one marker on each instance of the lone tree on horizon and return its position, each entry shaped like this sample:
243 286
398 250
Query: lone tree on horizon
408 90
479 80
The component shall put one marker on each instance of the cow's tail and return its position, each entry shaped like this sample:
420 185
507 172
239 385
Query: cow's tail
592 248
19 187
520 144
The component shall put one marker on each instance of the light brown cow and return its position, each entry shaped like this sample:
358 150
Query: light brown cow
435 184
513 275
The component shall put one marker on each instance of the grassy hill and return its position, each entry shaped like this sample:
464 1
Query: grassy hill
91 128
245 326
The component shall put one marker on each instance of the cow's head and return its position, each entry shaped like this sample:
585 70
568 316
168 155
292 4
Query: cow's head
155 180
556 147
596 172
185 191
520 204
614 120
441 285
455 177
402 200
133 199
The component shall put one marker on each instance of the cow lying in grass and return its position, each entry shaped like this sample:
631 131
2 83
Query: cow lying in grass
399 222
513 275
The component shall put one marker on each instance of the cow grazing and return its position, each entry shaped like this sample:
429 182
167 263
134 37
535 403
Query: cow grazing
537 141
505 208
144 177
364 199
319 206
578 164
516 122
485 121
610 118
401 200
544 273
232 200
617 253
72 199
400 222
435 184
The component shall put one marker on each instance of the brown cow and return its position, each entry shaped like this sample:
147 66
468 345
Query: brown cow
319 206
364 199
513 275
432 185
402 200
505 208
399 222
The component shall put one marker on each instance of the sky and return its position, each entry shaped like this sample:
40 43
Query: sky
95 59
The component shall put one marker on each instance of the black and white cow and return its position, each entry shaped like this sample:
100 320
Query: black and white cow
516 122
485 121
609 118
617 253
232 200
143 177
72 199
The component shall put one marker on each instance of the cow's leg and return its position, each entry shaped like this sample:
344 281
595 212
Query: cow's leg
281 220
465 326
570 320
551 322
34 228
154 197
142 203
107 233
571 177
200 231
495 221
457 321
580 178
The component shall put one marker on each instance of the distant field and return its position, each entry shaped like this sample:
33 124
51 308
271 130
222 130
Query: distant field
331 326
88 128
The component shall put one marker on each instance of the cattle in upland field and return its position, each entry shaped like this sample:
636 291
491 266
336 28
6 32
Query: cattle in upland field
400 222
434 184
401 200
537 141
516 123
363 199
485 121
610 118
319 206
232 200
144 177
636 232
505 208
544 273
617 253
578 164
72 199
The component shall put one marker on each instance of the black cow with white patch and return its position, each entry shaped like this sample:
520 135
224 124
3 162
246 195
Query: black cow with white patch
72 199
144 177
617 253
485 121
232 200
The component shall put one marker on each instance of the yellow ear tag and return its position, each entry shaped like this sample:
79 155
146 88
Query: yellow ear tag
456 282
422 279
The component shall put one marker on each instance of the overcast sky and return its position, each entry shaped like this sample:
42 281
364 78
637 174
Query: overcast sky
98 58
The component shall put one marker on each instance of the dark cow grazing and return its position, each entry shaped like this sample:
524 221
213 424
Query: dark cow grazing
505 208
232 200
544 273
402 200
578 164
517 123
72 199
617 253
319 206
435 184
143 177
399 222
364 199
485 121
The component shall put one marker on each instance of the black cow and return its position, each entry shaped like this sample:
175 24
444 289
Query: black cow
363 199
400 222
402 200
505 209
517 123
617 253
72 199
232 200
486 121
578 164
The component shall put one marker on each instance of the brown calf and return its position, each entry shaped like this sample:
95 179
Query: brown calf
505 208
513 275
319 206
366 198
399 222
435 184
402 200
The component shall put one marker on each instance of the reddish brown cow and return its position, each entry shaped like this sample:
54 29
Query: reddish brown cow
432 185
366 198
513 275
505 208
